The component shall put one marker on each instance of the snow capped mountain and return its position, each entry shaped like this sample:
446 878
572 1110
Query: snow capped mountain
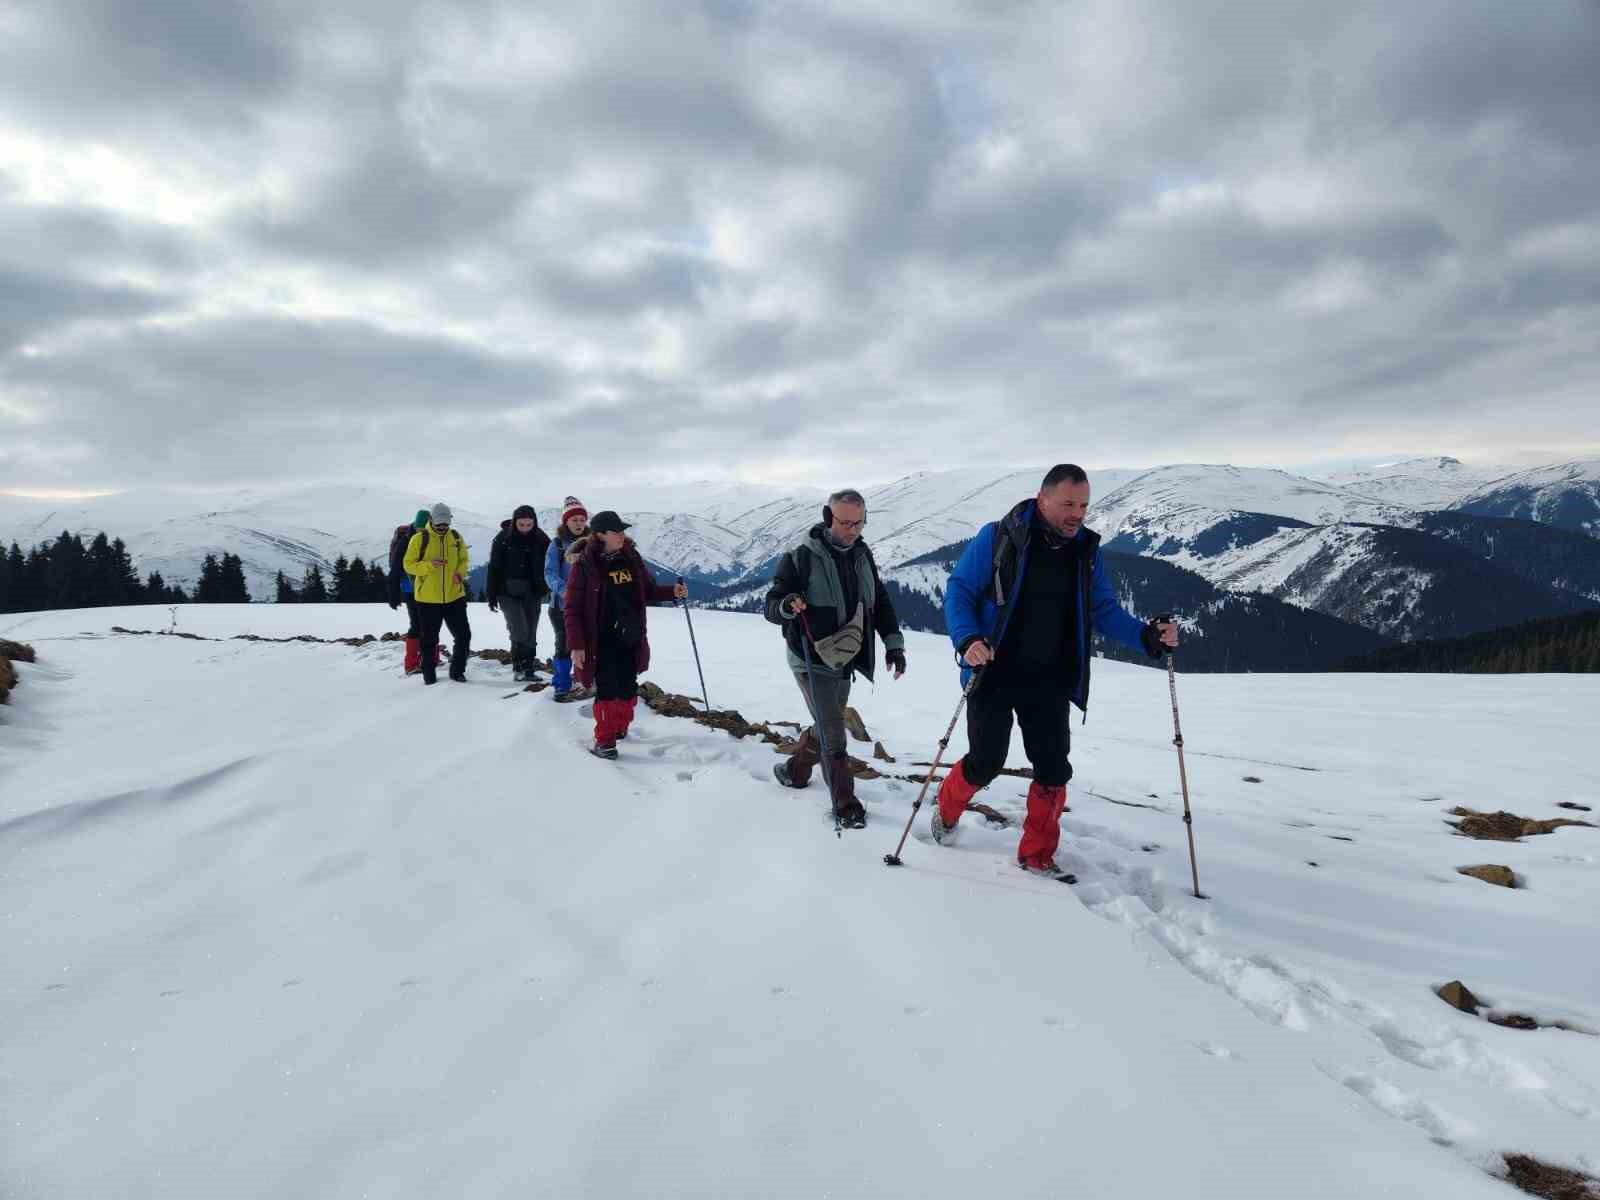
1181 502
172 532
1306 541
1426 483
1564 494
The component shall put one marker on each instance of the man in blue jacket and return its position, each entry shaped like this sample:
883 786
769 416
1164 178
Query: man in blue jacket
1021 606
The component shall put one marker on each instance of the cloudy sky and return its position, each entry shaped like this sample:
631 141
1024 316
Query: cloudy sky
274 241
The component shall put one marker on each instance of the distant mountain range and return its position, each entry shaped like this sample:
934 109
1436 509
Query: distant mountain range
1424 548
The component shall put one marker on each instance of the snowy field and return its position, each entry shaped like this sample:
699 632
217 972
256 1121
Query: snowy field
279 923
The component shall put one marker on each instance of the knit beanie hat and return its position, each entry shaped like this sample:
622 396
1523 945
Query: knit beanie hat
441 513
525 510
572 507
421 519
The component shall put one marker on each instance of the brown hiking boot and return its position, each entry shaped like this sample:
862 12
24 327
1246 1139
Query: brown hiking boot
797 770
850 811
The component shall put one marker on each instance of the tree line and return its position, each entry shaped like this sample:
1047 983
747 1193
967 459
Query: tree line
1555 644
65 573
353 582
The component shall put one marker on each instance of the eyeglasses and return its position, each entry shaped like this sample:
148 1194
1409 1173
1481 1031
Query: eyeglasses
861 524
441 526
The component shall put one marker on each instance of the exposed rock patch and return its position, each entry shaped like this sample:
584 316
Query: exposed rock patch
1504 826
1551 1182
1500 876
11 652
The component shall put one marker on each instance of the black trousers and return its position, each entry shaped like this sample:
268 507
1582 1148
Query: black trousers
558 622
616 672
414 629
1040 707
454 615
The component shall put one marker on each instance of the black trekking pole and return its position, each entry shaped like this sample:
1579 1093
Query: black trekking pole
816 717
893 860
1183 775
684 604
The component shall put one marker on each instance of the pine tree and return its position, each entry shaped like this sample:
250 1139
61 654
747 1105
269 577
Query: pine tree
11 567
377 585
339 584
231 580
285 589
313 589
209 589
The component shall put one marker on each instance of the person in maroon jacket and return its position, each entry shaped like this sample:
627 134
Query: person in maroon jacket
608 591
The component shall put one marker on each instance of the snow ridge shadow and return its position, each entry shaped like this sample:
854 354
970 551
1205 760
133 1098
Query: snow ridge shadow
79 814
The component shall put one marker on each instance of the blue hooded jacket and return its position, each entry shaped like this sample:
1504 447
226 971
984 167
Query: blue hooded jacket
978 595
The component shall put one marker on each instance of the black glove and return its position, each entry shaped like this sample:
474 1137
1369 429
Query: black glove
896 660
393 604
966 644
1150 635
786 609
494 604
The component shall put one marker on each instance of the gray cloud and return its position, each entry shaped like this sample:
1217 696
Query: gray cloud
253 241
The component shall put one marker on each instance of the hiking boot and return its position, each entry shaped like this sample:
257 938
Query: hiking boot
605 750
1046 868
942 833
852 815
458 676
780 772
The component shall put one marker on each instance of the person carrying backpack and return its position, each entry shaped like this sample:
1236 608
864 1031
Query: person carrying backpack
1022 604
573 530
401 590
516 585
437 559
830 600
608 590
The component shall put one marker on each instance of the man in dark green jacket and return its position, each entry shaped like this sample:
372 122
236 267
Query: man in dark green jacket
831 602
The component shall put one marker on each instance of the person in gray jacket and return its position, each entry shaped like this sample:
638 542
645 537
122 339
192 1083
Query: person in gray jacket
832 604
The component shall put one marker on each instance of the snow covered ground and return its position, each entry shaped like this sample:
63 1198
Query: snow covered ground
278 923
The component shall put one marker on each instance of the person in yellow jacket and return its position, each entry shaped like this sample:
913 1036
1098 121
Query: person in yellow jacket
436 559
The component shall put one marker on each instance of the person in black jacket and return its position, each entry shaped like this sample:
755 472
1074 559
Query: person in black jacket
516 585
829 599
400 589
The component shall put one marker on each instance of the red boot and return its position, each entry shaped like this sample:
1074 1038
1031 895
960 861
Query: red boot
1041 832
413 655
955 793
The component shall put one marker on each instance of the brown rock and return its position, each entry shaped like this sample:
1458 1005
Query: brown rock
1491 873
1505 826
1456 994
1553 1183
8 679
879 753
16 651
1512 1021
1576 807
856 726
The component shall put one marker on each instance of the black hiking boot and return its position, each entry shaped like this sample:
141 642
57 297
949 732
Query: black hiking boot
603 750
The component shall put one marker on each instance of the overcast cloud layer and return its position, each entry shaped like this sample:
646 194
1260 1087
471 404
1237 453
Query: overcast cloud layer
444 242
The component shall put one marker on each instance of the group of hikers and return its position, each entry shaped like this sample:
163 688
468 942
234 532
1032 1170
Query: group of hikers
1021 606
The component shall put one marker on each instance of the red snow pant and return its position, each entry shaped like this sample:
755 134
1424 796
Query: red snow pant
611 720
1040 709
414 654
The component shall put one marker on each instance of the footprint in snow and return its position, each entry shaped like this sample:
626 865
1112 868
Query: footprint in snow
55 987
173 992
1216 1051
289 983
778 990
406 983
